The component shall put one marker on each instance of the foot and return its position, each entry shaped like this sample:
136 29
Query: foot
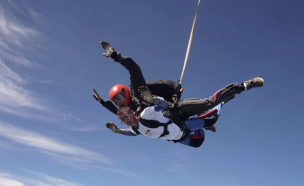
105 45
255 82
212 128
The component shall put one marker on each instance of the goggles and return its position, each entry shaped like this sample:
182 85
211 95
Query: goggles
119 99
125 116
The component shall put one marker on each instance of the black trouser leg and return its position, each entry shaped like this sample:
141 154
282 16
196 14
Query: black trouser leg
193 106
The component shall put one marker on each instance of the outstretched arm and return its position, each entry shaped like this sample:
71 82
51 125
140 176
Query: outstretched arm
113 127
127 132
136 76
107 103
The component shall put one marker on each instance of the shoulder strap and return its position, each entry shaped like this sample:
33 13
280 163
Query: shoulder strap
135 130
155 124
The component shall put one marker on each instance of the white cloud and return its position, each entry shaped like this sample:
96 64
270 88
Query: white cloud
74 162
48 181
16 41
47 81
87 128
11 90
118 171
5 181
177 168
70 116
41 180
17 100
6 145
9 182
49 145
35 15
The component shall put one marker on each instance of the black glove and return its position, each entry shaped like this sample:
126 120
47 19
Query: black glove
146 94
112 126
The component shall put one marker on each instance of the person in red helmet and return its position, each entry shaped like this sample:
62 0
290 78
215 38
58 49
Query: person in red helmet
120 95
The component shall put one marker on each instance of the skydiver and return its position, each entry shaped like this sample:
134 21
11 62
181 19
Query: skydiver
120 95
152 123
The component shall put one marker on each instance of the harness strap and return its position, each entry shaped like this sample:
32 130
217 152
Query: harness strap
174 119
182 138
166 132
135 130
155 124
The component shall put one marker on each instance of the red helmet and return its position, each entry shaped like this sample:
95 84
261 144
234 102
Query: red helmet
118 94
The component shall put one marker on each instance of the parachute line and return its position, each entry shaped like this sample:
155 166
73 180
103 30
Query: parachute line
189 44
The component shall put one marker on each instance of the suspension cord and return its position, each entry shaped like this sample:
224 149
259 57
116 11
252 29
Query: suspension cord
189 44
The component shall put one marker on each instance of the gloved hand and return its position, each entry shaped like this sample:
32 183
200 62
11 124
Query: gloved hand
96 96
112 126
105 45
146 94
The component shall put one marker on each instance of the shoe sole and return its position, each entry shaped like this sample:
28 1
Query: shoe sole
261 80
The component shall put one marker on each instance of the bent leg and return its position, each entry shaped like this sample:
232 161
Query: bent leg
197 140
194 124
190 107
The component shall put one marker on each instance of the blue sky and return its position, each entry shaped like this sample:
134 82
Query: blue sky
52 131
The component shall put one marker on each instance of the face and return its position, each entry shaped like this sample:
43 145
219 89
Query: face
119 100
128 118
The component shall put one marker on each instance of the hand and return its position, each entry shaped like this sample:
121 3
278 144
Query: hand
96 96
105 45
112 126
146 94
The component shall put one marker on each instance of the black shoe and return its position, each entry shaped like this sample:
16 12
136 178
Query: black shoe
212 128
255 82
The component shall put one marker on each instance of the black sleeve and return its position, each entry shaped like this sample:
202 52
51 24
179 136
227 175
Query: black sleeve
110 106
136 76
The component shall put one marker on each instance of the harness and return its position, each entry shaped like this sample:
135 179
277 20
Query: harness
155 124
172 112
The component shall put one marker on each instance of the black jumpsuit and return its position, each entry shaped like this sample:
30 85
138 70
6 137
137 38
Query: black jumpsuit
166 88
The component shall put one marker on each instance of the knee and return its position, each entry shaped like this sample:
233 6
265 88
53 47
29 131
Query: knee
196 142
212 121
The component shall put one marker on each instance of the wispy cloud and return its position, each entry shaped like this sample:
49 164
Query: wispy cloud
11 90
38 180
53 147
5 181
69 117
16 39
17 100
49 181
177 168
35 15
87 128
48 82
74 162
119 171
6 145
